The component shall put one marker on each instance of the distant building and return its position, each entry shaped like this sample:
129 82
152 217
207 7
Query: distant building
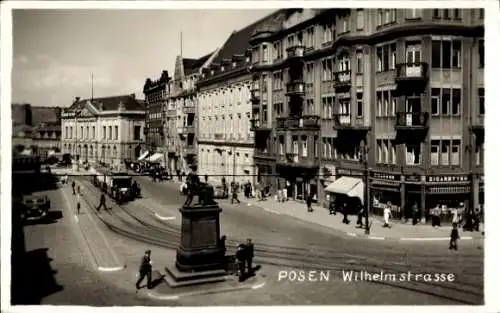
35 130
181 118
156 93
108 129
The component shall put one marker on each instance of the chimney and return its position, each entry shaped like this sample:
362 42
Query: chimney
77 99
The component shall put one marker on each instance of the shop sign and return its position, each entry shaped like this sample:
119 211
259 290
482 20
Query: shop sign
447 179
347 172
386 176
413 178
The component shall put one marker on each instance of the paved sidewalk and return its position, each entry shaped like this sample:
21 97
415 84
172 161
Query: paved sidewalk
321 216
101 253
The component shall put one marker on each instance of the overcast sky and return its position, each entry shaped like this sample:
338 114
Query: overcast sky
55 51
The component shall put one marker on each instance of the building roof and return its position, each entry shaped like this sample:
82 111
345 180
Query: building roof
192 65
238 42
112 103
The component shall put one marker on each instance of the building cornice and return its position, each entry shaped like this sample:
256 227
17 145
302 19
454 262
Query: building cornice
222 77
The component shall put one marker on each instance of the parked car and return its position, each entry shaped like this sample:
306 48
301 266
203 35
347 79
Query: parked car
34 207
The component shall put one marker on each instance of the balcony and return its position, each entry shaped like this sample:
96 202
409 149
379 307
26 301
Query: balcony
189 149
299 122
219 136
296 88
189 109
263 154
257 125
255 97
293 159
477 125
411 75
412 120
343 79
295 52
347 122
171 112
188 129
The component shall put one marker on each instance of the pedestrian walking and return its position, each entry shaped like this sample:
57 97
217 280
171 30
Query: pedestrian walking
387 215
78 205
234 196
414 212
78 191
309 203
249 256
361 211
145 270
73 184
240 257
454 236
102 203
344 211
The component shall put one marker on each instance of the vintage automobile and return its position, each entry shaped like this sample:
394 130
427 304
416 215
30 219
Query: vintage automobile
34 207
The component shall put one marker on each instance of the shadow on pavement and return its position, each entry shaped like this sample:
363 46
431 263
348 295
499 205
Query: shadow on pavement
50 218
32 277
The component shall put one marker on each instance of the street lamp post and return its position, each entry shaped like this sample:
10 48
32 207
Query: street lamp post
366 196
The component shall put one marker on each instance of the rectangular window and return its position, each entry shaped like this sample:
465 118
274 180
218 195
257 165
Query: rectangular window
455 101
413 14
413 154
436 95
436 54
116 132
393 50
445 101
455 152
359 102
456 60
304 146
445 152
481 53
479 153
380 14
282 145
436 13
393 152
93 132
435 152
137 132
385 59
480 92
360 19
66 132
81 132
385 107
386 151
324 148
393 103
316 147
457 14
446 54
104 132
379 103
109 133
359 61
379 151
379 59
446 14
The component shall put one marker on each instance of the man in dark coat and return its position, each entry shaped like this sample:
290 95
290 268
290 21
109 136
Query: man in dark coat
309 201
73 184
102 202
344 211
234 193
241 257
145 270
249 255
454 237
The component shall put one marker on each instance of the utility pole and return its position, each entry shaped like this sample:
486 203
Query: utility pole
366 196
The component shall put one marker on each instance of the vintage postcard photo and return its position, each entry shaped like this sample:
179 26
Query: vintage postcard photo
226 156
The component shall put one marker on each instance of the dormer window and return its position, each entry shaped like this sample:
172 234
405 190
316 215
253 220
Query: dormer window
222 68
234 64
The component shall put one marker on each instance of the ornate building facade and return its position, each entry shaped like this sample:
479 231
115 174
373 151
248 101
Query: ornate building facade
398 93
108 129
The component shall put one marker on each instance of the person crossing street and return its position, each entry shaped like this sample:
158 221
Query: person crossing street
145 270
102 203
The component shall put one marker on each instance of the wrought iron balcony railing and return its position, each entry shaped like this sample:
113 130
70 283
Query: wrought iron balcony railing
411 71
412 119
306 121
295 51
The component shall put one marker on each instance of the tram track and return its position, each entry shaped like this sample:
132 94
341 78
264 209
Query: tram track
145 228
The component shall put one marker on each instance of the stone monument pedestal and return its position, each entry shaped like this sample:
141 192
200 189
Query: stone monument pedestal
200 259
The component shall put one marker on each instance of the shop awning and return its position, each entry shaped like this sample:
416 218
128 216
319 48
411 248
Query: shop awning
155 157
349 186
143 156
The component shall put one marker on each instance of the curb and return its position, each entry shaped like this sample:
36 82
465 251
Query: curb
351 234
157 296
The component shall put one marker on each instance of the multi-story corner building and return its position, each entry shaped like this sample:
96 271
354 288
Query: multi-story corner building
109 130
36 130
180 114
398 93
156 93
225 142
